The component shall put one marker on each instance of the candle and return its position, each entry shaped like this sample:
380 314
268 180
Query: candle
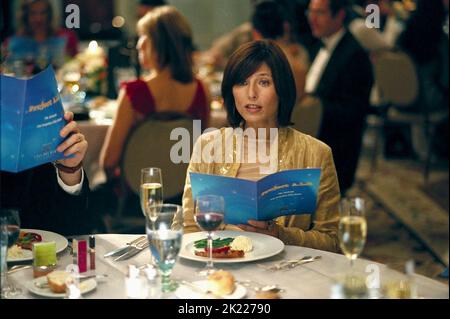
94 50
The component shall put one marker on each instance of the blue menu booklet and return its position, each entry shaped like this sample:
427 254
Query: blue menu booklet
31 118
291 192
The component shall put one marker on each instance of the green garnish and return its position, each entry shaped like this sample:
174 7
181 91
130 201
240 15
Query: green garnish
217 243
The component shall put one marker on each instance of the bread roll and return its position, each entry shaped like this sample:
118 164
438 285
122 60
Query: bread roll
221 283
57 281
267 295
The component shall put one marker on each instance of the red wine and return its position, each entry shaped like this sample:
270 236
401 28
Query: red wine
13 234
209 221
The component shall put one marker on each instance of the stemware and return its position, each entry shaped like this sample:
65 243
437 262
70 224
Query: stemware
151 192
164 236
209 215
352 237
9 232
352 227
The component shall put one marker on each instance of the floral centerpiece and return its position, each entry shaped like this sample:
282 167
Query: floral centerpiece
91 66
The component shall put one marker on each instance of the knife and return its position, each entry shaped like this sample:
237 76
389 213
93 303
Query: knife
123 250
134 251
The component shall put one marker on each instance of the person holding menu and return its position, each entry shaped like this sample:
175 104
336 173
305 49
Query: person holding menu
53 197
259 93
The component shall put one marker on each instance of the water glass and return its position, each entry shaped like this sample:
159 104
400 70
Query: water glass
164 236
9 232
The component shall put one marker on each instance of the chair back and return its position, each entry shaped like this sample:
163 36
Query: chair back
396 78
150 145
307 117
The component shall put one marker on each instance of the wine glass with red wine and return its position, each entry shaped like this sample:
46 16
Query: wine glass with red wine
9 232
209 213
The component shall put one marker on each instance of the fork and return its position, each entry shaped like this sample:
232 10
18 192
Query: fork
126 248
134 249
283 263
305 261
290 263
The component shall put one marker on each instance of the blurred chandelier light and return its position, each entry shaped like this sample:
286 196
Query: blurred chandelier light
93 45
118 22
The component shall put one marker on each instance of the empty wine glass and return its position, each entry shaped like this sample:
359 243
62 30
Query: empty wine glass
164 236
151 192
209 214
9 232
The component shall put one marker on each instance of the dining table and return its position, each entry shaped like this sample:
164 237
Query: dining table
315 280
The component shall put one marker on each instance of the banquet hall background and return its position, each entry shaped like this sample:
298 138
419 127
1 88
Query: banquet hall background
403 177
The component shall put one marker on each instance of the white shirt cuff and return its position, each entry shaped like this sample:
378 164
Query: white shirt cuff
74 189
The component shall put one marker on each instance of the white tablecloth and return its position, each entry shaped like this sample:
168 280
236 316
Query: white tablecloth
313 280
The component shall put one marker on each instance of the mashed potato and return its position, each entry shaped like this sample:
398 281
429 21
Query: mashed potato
15 252
242 243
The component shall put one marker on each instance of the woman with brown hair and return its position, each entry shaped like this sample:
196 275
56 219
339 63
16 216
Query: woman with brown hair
259 93
165 48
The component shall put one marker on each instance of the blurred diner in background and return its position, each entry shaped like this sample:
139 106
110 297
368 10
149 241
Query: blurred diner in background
144 80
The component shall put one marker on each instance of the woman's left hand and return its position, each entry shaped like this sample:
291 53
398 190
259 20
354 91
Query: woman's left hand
264 227
76 143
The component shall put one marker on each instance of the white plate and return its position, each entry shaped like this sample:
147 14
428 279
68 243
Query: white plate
264 246
85 286
61 243
185 292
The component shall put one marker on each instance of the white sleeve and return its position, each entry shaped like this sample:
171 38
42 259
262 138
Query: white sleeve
73 190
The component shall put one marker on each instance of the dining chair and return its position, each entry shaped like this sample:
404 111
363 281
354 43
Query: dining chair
307 117
398 84
149 145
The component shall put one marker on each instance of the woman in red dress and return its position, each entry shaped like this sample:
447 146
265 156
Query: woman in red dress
165 48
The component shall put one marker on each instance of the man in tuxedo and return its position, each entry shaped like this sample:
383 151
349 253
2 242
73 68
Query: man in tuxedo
341 78
53 197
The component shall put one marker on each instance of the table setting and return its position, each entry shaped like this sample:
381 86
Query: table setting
310 280
165 263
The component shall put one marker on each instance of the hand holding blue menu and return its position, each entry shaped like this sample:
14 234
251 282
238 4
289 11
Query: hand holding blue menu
291 192
31 118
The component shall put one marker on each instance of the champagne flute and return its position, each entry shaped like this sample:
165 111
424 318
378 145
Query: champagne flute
164 236
352 238
209 214
352 228
9 232
151 192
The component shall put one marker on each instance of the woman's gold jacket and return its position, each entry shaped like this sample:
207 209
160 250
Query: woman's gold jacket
295 150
